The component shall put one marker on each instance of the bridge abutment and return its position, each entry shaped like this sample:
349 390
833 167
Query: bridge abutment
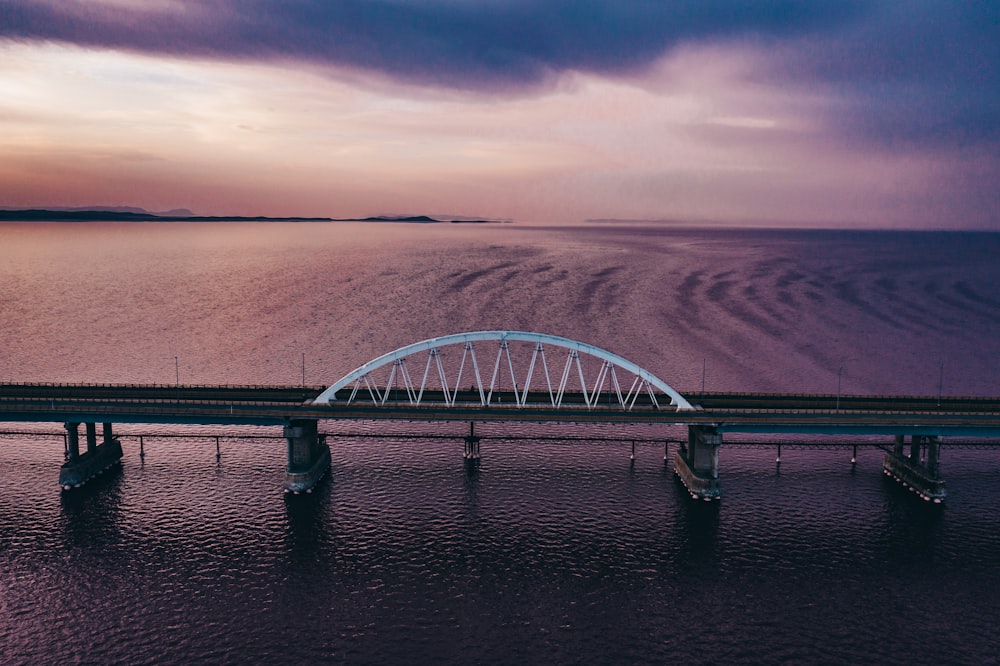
920 474
697 462
82 467
308 456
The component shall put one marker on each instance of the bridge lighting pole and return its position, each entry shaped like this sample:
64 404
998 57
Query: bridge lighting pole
840 370
940 383
177 375
177 369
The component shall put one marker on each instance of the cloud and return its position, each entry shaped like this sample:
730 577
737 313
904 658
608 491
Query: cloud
911 74
880 102
916 72
451 43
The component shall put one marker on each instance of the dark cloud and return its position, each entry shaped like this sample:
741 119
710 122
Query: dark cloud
913 71
921 73
456 43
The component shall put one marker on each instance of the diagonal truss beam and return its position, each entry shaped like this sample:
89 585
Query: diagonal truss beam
504 372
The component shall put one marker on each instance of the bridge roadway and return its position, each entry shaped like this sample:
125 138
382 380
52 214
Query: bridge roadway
925 420
280 405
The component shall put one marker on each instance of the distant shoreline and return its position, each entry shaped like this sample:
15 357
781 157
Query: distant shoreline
46 215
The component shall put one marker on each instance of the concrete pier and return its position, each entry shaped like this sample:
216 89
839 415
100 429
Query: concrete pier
91 437
697 462
82 467
471 452
72 442
308 456
920 474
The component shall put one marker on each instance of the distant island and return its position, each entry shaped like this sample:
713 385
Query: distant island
45 215
424 219
128 214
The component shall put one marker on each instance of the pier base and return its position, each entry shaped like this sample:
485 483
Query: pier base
82 467
697 463
308 456
920 477
471 451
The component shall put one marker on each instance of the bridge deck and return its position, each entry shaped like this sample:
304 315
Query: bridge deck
276 405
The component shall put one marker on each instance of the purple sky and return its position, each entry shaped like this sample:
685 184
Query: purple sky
881 114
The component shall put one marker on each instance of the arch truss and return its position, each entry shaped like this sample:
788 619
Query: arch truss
525 377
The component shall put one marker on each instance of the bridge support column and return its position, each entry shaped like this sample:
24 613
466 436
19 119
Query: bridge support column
308 456
697 462
922 478
471 453
72 442
80 468
91 437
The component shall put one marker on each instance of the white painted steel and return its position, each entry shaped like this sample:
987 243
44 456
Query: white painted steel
643 381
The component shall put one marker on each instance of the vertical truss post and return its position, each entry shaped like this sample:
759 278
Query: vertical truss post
423 382
583 382
479 379
531 370
513 376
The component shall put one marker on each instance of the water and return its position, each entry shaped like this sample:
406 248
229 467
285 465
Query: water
554 551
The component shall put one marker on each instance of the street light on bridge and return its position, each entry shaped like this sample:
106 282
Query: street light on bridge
940 383
177 369
840 371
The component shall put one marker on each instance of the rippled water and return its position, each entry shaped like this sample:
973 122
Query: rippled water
553 551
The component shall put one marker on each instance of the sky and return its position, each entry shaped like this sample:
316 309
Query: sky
790 112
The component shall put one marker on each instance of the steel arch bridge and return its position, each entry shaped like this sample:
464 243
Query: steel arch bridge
527 379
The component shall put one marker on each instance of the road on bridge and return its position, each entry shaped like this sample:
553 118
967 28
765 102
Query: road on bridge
277 405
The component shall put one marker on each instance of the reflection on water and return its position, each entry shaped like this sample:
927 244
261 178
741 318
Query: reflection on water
913 529
547 551
697 525
91 516
307 529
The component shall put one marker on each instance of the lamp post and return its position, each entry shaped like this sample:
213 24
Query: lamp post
177 369
177 374
840 371
940 383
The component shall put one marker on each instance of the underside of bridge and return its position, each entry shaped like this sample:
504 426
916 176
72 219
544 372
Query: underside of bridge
99 457
697 462
308 456
919 470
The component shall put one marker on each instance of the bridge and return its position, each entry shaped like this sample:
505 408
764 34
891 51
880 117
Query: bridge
505 376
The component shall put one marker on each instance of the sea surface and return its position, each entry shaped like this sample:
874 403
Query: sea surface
555 550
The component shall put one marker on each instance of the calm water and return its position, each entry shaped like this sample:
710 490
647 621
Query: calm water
555 551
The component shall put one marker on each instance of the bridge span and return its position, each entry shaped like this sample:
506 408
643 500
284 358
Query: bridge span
584 385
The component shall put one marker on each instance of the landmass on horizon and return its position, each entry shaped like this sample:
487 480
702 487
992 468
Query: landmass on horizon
133 214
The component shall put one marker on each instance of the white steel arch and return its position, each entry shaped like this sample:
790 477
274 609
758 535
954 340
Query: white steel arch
434 371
